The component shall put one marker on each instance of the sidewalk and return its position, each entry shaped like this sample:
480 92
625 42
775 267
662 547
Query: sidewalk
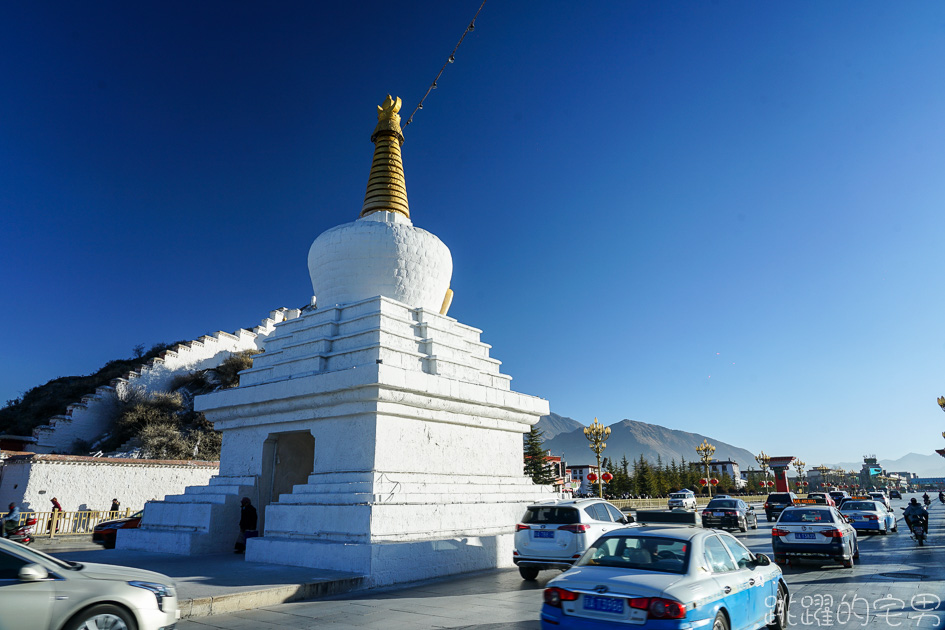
222 583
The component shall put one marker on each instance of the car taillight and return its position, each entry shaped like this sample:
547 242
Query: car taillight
576 528
554 596
872 517
766 505
833 533
779 532
706 513
520 527
666 609
731 514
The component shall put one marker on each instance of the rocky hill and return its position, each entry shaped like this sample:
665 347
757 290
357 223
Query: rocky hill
631 438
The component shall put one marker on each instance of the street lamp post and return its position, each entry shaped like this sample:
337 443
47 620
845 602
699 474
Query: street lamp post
706 451
597 434
799 467
763 459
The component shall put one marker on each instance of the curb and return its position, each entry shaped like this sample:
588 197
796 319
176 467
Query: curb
248 600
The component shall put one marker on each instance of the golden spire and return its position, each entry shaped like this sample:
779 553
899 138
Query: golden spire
386 187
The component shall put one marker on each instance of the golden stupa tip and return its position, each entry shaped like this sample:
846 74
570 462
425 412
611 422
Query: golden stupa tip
387 188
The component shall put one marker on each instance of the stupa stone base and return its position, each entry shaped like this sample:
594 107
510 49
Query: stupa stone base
374 438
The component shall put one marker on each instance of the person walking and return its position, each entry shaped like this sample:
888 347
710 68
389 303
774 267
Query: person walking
54 517
116 505
248 520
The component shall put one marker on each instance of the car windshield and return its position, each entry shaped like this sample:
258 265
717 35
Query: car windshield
725 503
805 516
38 557
552 515
646 553
869 506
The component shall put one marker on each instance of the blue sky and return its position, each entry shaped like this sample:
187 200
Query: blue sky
718 217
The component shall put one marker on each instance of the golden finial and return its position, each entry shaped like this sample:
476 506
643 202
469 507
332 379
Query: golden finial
387 188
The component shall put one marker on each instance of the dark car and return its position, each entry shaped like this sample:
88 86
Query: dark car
106 532
839 495
894 494
729 514
776 502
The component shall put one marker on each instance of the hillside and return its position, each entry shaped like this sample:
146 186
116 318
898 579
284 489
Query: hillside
553 425
630 439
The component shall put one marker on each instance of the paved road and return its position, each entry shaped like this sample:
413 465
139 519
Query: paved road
894 585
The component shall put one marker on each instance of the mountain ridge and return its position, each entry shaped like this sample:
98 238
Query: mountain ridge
632 438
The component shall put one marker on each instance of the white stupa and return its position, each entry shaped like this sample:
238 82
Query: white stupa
375 433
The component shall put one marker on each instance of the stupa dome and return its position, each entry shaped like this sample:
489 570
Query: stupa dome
382 253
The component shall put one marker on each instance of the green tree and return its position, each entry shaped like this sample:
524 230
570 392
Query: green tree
536 461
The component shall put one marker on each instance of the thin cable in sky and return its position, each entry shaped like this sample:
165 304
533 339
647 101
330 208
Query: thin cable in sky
451 59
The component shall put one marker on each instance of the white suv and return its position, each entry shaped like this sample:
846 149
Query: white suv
685 499
553 534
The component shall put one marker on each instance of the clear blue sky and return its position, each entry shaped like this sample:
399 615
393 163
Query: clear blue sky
718 217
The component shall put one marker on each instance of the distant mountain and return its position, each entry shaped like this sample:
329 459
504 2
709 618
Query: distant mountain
922 465
631 438
553 424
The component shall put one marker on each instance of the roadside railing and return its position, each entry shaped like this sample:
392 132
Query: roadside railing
655 504
79 523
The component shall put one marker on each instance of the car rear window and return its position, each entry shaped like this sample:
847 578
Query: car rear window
551 515
646 553
722 504
680 495
869 506
776 497
805 516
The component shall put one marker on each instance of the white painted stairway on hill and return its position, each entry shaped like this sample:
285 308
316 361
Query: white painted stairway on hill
91 416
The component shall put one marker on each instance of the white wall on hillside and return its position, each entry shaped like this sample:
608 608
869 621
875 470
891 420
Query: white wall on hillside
92 416
88 483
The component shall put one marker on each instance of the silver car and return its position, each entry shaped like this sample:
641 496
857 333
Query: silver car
40 592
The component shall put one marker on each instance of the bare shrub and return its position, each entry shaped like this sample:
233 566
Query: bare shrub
230 368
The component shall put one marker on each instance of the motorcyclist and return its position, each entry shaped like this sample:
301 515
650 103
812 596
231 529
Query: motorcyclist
11 521
914 511
926 499
941 496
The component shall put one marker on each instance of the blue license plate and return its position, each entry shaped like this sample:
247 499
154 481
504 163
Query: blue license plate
805 536
603 604
542 534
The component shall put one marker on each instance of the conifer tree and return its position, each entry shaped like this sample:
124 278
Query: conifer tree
536 461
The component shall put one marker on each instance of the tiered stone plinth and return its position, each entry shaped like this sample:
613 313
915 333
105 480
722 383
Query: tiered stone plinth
417 467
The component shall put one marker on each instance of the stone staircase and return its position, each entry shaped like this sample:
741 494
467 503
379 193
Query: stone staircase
202 520
91 416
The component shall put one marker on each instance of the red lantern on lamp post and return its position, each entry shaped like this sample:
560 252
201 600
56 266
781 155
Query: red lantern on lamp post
702 481
592 477
607 477
714 481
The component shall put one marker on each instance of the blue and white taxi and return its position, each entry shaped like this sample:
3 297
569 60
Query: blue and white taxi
866 513
664 577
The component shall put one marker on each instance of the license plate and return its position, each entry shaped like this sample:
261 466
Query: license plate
718 513
543 534
805 536
603 604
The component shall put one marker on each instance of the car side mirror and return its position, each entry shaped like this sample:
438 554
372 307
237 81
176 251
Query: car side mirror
32 573
761 560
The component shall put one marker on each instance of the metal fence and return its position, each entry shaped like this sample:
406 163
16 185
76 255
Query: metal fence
655 504
53 524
